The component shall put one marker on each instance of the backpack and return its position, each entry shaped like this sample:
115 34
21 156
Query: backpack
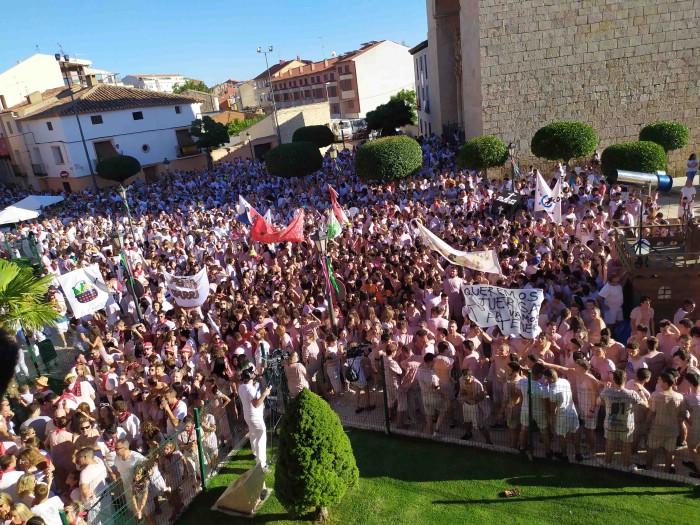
351 374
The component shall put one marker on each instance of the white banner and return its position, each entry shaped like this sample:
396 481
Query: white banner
514 312
547 199
85 290
484 261
189 291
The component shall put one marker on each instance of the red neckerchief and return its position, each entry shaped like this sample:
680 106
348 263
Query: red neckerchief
77 390
110 443
104 381
172 407
124 416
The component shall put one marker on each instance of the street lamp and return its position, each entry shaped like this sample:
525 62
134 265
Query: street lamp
511 153
272 91
250 143
74 107
122 193
321 242
166 165
117 237
333 153
342 133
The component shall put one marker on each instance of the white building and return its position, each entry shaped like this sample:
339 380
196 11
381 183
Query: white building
162 83
143 124
353 83
420 66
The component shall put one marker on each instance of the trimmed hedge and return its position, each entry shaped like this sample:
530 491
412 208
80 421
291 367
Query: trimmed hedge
293 160
118 168
564 140
642 156
669 135
388 159
322 136
316 464
482 153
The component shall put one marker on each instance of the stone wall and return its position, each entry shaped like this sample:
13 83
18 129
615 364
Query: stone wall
616 64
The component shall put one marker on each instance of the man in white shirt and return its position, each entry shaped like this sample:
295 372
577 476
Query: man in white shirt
125 462
253 403
175 410
565 415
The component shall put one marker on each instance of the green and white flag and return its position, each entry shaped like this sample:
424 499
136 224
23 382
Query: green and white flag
333 228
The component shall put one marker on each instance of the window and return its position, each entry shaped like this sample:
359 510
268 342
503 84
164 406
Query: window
332 91
19 127
345 85
57 155
351 104
177 110
137 115
96 119
286 97
340 69
347 69
332 76
335 109
50 126
325 77
9 128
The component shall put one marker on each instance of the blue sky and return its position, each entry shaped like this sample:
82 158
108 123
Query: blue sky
211 41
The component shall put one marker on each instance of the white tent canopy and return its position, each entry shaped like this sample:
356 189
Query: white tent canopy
27 209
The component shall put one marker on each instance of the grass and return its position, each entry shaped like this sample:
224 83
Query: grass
409 481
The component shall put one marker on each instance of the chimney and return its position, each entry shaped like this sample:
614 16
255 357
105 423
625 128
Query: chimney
298 59
281 62
91 80
34 98
325 62
313 66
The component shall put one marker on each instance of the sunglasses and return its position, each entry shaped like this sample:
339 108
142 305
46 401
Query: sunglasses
84 428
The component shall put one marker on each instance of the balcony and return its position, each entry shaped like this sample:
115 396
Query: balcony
186 151
40 170
18 171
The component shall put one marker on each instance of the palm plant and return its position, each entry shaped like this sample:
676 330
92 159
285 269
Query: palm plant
23 298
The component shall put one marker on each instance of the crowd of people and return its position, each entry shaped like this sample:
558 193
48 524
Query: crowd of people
126 408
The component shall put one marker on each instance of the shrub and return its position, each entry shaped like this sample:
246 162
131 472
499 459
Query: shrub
295 159
668 135
642 156
388 159
482 153
564 141
321 136
118 168
316 464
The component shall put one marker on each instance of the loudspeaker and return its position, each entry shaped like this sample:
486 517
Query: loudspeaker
659 180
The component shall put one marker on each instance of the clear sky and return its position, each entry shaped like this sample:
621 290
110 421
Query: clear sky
211 41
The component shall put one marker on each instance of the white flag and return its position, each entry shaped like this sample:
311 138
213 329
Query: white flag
548 199
189 291
85 290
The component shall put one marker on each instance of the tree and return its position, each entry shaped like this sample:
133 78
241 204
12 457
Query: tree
482 153
237 126
210 135
295 159
320 135
23 298
564 141
195 85
316 464
399 111
669 135
118 168
642 156
388 159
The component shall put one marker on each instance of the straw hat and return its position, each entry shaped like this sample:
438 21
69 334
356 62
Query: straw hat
42 381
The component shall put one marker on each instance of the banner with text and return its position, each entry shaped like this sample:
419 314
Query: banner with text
513 311
188 291
85 290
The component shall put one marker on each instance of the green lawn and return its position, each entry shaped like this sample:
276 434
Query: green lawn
408 481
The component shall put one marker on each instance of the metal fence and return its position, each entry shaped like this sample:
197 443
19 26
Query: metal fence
562 420
159 488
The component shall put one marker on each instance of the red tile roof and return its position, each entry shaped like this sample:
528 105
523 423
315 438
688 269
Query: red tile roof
97 99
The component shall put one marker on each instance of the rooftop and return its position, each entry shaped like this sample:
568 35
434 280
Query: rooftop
418 47
96 99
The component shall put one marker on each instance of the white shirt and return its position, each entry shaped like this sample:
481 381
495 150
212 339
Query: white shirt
248 392
49 510
180 411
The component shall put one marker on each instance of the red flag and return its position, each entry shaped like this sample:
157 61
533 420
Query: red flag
294 232
337 210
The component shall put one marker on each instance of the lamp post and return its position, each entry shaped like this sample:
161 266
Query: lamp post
333 153
118 239
321 242
122 193
74 107
511 153
250 143
272 91
342 133
166 165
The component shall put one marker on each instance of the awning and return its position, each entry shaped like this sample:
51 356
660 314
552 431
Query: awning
27 209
